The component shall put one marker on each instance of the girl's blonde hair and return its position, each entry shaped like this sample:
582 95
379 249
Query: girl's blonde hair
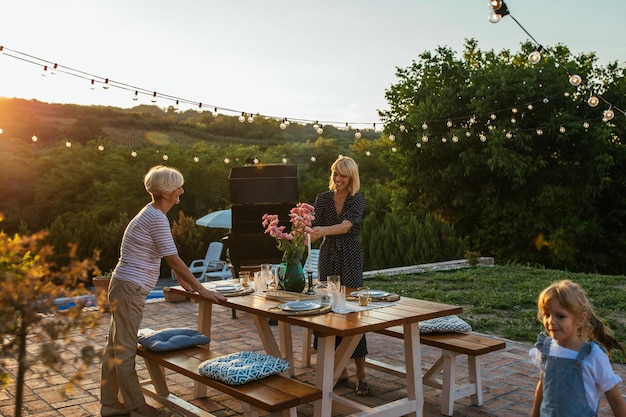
344 165
574 299
162 179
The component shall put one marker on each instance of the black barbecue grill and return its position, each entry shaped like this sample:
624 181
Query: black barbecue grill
254 191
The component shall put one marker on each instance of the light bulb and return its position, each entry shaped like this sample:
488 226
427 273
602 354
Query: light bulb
368 153
575 80
392 137
196 159
357 134
319 130
530 107
106 84
493 116
394 149
54 68
165 157
34 138
45 71
494 17
534 57
455 138
402 128
468 134
586 125
418 145
100 148
424 138
444 139
495 4
133 154
482 137
242 118
136 96
226 161
449 123
154 97
283 125
509 135
315 125
68 144
313 159
256 160
562 129
425 126
176 105
251 118
514 110
539 132
593 101
215 113
609 114
513 120
284 159
92 85
200 109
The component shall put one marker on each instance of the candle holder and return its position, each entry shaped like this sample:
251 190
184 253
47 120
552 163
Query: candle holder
310 291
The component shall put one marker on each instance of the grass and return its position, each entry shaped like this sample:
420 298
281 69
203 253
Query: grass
502 300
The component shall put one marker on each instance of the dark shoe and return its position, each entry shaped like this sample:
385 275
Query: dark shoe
113 410
362 388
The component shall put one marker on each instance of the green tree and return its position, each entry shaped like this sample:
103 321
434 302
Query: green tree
510 153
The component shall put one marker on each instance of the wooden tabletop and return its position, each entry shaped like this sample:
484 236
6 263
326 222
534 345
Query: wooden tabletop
405 310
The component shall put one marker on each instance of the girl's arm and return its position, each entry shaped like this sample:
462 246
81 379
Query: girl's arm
616 401
538 399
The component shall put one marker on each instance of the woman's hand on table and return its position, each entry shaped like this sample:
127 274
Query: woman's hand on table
212 296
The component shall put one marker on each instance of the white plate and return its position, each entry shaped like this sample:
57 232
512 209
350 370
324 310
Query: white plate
373 293
227 288
300 306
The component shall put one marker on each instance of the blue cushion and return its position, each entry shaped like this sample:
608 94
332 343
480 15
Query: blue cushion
173 338
444 325
241 367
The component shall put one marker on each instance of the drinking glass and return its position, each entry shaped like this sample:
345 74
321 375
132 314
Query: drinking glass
266 274
364 296
244 278
339 299
334 281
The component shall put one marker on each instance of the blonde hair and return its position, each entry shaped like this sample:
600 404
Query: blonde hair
344 165
574 299
162 179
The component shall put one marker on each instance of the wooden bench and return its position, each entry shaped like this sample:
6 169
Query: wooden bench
452 345
273 393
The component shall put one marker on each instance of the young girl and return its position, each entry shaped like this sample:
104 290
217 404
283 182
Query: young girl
565 388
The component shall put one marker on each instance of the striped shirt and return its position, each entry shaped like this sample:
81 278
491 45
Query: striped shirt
147 239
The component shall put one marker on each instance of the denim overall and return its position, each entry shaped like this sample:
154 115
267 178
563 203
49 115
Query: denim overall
562 382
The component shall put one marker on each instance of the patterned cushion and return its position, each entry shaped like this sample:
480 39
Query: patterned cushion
172 338
241 367
444 325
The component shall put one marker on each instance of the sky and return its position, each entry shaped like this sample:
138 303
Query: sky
326 60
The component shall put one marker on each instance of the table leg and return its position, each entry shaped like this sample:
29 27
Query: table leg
286 344
205 314
413 360
324 379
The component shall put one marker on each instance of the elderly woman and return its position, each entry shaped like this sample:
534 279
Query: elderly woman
338 213
147 239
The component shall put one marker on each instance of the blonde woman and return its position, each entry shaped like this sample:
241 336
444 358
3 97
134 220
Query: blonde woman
338 214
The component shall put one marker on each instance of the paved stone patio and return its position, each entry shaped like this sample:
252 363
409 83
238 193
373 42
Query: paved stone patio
508 384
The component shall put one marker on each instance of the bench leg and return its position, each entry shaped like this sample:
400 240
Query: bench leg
476 378
157 375
249 411
449 378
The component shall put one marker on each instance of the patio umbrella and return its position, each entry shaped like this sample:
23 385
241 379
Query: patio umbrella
221 219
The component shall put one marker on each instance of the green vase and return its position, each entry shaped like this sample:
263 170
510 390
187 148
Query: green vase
291 276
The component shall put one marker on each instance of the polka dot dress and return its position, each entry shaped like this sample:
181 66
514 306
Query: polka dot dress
341 254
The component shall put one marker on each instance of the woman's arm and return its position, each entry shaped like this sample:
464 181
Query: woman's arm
616 401
336 229
188 281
